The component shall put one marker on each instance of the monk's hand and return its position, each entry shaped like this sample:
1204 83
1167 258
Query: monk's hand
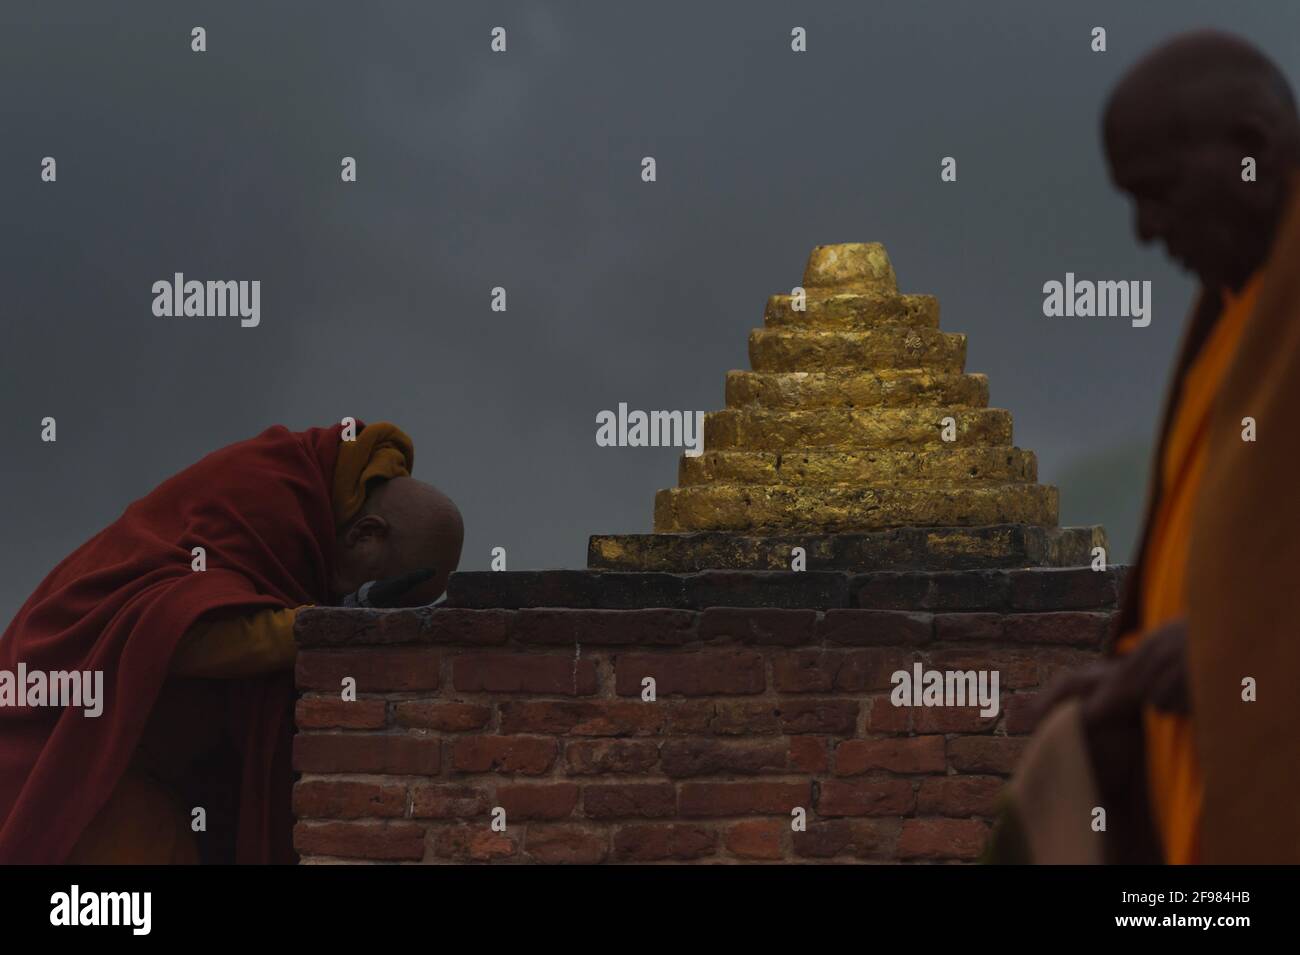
1075 684
1116 688
388 592
1154 674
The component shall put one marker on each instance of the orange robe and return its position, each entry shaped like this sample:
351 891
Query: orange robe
143 821
1173 774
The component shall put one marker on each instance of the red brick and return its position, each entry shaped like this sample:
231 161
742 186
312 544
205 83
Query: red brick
808 754
463 627
448 717
1062 588
582 718
763 626
756 838
528 755
333 799
915 754
449 802
959 796
629 800
644 628
837 717
877 797
1016 668
986 754
876 628
360 840
1022 712
968 627
1052 662
376 671
696 717
566 845
543 801
675 843
808 671
866 670
703 673
884 717
952 719
475 843
890 590
355 627
1068 628
743 718
744 588
366 753
705 757
740 799
560 674
942 839
598 757
329 712
860 838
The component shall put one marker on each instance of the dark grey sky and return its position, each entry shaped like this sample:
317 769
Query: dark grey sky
522 170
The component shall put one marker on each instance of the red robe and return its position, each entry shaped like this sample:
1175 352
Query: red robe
121 602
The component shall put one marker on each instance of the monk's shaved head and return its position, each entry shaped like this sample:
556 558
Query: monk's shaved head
405 525
1179 126
1201 81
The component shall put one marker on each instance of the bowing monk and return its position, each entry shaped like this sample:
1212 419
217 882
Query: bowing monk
1203 135
186 603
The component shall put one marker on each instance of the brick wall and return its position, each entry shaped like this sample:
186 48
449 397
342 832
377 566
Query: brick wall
759 710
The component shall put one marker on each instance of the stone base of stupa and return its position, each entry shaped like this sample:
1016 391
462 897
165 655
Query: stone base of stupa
897 548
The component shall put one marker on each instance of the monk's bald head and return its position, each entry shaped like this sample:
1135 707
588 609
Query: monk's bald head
405 525
1177 129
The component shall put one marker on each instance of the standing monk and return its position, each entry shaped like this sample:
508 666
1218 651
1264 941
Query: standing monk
186 605
1203 134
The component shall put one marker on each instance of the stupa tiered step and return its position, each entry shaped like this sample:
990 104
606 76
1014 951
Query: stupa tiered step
745 508
852 311
849 388
746 429
816 349
859 437
930 466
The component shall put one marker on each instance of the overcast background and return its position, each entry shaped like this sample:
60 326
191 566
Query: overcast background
523 170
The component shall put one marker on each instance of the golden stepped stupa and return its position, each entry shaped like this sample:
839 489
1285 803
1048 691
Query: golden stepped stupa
859 436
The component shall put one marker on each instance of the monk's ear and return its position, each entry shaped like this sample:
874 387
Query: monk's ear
365 528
